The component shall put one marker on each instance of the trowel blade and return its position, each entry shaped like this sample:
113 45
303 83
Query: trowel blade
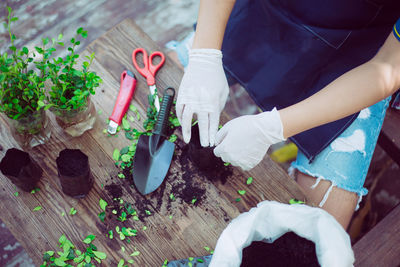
151 167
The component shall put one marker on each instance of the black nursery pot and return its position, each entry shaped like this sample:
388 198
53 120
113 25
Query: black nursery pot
21 169
74 173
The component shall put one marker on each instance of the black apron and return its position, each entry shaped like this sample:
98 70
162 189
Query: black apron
283 51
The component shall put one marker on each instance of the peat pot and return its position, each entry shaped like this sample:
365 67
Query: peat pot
76 121
74 173
21 169
31 130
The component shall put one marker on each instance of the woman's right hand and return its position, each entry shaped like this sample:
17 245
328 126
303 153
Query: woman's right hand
203 91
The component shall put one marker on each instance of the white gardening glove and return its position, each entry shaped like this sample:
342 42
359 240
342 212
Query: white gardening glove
203 91
244 141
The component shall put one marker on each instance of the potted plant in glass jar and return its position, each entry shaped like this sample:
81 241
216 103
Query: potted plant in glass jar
70 89
22 93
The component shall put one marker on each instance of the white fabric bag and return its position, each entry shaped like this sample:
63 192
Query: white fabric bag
270 220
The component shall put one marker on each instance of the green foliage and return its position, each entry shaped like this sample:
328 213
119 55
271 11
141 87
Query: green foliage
70 86
70 255
21 88
23 76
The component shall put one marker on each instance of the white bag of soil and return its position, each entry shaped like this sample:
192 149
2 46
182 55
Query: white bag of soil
270 220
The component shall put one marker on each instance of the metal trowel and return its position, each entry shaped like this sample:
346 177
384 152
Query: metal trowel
154 153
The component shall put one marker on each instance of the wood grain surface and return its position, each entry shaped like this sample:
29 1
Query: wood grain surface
191 227
389 138
380 246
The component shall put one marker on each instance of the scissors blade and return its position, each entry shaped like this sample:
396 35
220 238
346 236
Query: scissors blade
156 100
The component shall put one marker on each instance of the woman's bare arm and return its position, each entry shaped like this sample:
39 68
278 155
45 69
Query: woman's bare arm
357 89
212 19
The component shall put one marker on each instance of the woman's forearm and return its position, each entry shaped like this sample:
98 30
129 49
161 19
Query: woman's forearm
211 23
348 94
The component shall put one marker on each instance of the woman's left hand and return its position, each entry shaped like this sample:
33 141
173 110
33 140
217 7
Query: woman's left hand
244 141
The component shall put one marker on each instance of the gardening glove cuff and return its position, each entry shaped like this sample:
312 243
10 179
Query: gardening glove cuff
203 91
244 141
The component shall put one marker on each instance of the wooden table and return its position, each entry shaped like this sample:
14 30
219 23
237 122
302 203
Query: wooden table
175 229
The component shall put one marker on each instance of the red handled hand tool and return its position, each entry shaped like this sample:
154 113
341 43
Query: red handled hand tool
149 70
126 89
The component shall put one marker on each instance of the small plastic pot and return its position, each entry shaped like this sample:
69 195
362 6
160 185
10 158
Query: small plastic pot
31 130
21 169
74 173
76 121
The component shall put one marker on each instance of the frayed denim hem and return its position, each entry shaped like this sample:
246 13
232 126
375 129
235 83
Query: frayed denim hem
360 192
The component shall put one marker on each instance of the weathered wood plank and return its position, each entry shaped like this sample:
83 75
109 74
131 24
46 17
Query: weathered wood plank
380 246
389 138
192 226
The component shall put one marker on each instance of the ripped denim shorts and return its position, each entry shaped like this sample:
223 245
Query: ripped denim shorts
346 160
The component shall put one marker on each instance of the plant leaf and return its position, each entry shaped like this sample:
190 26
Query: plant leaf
100 255
241 192
249 180
89 239
295 201
116 154
103 204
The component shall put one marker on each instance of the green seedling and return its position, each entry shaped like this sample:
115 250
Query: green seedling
295 201
89 239
135 253
35 190
37 208
116 154
72 211
122 217
173 138
249 180
103 204
241 192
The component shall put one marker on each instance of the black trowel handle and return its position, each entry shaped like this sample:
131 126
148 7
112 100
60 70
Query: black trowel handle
163 115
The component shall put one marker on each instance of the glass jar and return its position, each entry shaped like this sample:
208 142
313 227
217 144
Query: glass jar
31 130
76 121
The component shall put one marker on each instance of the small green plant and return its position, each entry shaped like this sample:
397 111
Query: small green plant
21 88
71 255
70 86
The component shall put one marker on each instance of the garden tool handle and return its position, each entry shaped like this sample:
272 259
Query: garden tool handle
163 114
127 87
149 70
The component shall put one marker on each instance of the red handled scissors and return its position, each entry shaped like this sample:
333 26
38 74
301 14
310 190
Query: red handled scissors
149 70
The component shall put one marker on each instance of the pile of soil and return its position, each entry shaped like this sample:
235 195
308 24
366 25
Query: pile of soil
287 251
74 173
186 182
203 158
21 169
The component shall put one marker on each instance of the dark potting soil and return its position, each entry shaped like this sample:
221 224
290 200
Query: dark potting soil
72 162
14 161
186 183
114 190
207 163
290 250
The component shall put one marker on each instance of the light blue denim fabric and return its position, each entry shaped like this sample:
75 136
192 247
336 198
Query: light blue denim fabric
346 160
